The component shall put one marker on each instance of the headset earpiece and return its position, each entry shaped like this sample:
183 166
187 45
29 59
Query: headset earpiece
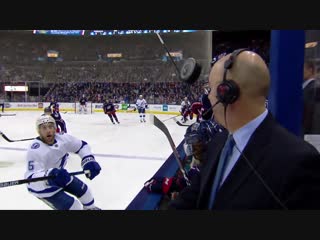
228 91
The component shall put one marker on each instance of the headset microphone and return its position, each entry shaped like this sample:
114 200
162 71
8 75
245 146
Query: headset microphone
209 110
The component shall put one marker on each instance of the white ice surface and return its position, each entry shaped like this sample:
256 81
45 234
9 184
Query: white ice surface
129 154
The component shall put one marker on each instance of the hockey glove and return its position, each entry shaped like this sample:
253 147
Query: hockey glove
193 171
159 185
89 163
60 178
178 184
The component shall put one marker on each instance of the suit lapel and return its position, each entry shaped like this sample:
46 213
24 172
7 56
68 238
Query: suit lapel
254 153
209 168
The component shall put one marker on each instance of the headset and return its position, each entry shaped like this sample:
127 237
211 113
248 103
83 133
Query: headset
228 91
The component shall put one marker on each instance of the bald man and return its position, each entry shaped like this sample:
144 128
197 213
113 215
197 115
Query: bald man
266 167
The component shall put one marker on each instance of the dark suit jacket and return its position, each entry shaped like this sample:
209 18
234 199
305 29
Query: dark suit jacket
311 108
289 167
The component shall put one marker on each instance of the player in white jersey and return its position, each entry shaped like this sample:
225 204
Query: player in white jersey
141 106
185 109
47 156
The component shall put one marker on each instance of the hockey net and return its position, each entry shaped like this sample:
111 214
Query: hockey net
77 108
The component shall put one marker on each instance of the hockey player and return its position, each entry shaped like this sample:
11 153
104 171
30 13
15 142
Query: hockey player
141 106
196 108
83 104
110 109
206 110
54 104
47 156
61 124
185 109
196 139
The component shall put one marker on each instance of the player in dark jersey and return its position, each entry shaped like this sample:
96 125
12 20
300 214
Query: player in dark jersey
207 113
196 108
110 109
83 104
54 105
61 124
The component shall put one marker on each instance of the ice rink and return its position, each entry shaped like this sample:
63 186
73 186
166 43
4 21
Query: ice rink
129 154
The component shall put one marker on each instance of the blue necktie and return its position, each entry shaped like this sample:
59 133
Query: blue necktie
225 154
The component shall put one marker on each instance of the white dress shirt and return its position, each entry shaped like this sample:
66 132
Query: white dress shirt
241 137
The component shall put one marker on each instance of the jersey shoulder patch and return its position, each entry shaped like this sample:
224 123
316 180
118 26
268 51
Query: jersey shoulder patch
35 145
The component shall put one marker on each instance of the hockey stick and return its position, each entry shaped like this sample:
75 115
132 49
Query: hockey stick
180 124
184 125
132 109
170 118
9 140
155 121
22 181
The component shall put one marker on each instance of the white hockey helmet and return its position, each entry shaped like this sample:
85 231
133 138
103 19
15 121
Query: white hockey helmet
44 119
140 96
